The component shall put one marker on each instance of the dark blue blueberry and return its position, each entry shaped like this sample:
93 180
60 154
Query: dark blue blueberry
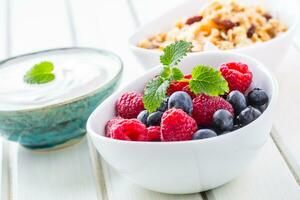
204 133
248 115
261 108
224 132
257 97
142 117
164 105
181 100
236 127
154 118
237 100
222 120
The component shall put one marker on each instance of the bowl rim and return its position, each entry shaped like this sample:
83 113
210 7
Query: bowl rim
106 53
134 47
271 106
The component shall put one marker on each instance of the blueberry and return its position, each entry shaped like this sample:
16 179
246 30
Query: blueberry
222 120
236 127
222 133
182 101
248 115
164 105
204 133
142 117
237 100
154 118
261 108
257 97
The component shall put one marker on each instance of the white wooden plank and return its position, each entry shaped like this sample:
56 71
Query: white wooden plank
286 127
121 188
267 178
64 174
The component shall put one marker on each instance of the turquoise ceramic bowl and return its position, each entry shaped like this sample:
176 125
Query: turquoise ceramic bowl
60 124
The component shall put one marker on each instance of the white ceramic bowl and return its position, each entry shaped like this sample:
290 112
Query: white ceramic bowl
188 166
271 53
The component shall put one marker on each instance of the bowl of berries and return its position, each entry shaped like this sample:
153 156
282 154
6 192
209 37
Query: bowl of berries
188 125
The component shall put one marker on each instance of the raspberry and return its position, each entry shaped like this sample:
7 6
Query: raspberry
153 133
237 75
129 105
129 129
188 76
178 86
205 106
109 125
187 90
176 125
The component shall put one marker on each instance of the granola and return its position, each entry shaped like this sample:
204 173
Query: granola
226 25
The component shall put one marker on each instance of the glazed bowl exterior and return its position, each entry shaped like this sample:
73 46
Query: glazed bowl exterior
60 124
271 53
187 166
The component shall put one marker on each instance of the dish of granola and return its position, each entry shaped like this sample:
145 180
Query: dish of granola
223 25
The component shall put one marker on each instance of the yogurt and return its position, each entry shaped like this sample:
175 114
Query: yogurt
76 74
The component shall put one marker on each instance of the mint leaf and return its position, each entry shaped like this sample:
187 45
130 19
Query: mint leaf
176 74
208 80
40 73
154 93
166 72
173 53
171 74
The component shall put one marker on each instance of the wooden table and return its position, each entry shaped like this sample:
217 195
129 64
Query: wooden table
78 172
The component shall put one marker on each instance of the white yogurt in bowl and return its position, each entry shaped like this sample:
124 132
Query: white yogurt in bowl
53 115
76 74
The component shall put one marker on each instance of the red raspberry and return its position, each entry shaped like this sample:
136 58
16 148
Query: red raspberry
129 129
153 133
188 76
129 105
176 125
205 106
237 75
178 86
187 90
110 124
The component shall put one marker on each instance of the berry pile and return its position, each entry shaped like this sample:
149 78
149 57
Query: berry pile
184 115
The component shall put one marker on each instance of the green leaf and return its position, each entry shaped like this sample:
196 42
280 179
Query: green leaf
171 74
173 53
176 74
154 93
40 73
166 72
208 80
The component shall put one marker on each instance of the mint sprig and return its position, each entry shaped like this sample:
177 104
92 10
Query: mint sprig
205 79
40 73
208 80
156 89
